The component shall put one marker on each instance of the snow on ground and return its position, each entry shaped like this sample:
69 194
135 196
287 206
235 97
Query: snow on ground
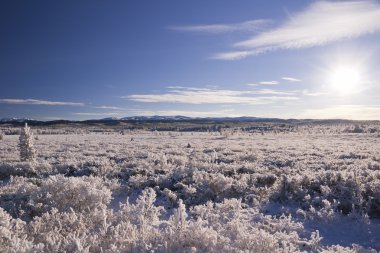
313 190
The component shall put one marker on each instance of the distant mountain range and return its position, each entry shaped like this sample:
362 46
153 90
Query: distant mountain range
15 119
155 117
177 118
185 118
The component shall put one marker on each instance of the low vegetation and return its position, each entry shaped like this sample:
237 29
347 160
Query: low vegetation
312 188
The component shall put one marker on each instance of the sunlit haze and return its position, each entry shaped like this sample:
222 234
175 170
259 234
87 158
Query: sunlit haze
345 80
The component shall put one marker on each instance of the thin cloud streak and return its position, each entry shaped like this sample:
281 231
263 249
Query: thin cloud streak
237 55
251 25
213 96
269 82
273 92
291 79
313 94
36 102
110 107
322 23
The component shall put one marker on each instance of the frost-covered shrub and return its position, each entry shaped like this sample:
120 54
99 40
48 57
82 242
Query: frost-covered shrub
141 222
354 129
26 198
27 151
83 194
354 249
328 212
250 230
15 194
216 196
73 228
248 157
210 186
13 236
349 191
25 169
21 169
142 227
170 195
95 167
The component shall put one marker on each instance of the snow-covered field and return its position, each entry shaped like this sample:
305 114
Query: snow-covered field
316 189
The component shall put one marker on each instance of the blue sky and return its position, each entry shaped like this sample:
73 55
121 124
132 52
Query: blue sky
94 59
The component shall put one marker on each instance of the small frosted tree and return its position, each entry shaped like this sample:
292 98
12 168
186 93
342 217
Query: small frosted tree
27 151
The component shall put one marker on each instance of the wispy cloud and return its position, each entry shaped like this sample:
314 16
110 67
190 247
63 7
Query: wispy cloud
251 25
237 55
313 94
273 82
212 96
321 23
110 107
274 92
291 79
36 102
269 82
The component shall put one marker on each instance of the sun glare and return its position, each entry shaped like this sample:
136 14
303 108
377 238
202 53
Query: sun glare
345 80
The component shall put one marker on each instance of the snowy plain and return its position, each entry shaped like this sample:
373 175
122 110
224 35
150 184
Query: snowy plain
315 188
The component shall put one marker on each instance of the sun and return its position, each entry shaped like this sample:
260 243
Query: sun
345 80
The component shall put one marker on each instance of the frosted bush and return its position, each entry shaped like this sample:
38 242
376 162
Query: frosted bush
211 186
141 227
12 235
27 151
170 195
20 169
353 249
25 169
216 196
83 194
